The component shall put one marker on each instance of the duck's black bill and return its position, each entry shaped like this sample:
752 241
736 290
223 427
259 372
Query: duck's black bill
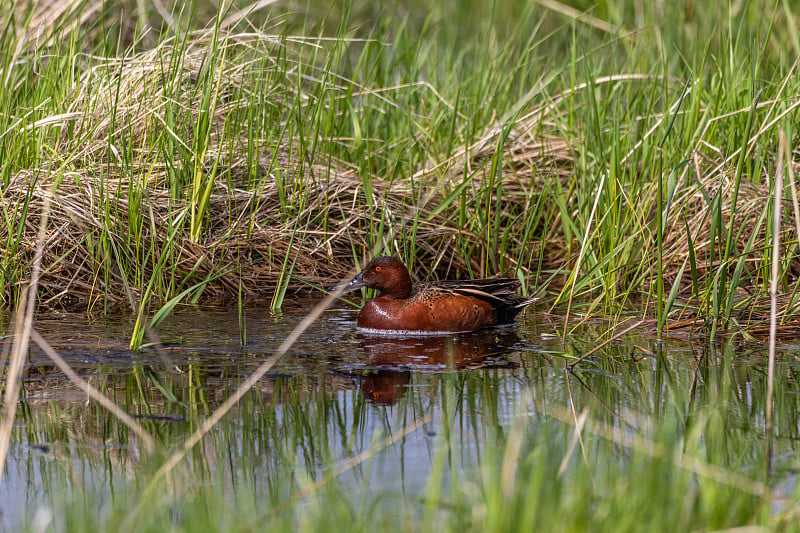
348 286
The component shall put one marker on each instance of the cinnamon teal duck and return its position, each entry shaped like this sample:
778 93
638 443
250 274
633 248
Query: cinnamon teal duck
432 307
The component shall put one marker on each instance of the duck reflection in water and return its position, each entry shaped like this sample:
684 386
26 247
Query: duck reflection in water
392 360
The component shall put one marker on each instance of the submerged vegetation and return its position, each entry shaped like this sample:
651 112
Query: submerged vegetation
185 153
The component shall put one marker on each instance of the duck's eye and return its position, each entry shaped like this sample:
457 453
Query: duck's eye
378 269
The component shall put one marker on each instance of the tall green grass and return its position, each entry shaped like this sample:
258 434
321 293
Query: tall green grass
621 160
257 152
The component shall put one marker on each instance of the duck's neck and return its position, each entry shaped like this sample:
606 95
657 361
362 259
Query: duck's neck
400 286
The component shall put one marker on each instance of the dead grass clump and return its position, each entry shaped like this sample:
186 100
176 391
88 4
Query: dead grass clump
122 202
705 191
199 163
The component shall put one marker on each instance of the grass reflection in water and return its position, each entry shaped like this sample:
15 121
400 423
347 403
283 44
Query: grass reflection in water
451 432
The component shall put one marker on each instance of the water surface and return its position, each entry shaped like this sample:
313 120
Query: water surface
338 393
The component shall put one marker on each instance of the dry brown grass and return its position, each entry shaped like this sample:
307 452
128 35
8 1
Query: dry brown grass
114 207
247 236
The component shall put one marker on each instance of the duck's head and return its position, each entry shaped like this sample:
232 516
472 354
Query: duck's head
386 274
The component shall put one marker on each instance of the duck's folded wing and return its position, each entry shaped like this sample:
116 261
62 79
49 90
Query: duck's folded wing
492 286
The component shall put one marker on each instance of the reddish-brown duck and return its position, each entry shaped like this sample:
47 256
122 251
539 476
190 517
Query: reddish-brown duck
433 307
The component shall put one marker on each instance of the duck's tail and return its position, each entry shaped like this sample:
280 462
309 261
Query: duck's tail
511 307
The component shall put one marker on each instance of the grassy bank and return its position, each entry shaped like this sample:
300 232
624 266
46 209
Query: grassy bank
619 161
265 149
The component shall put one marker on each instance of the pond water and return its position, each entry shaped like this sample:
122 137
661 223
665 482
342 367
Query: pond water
337 393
